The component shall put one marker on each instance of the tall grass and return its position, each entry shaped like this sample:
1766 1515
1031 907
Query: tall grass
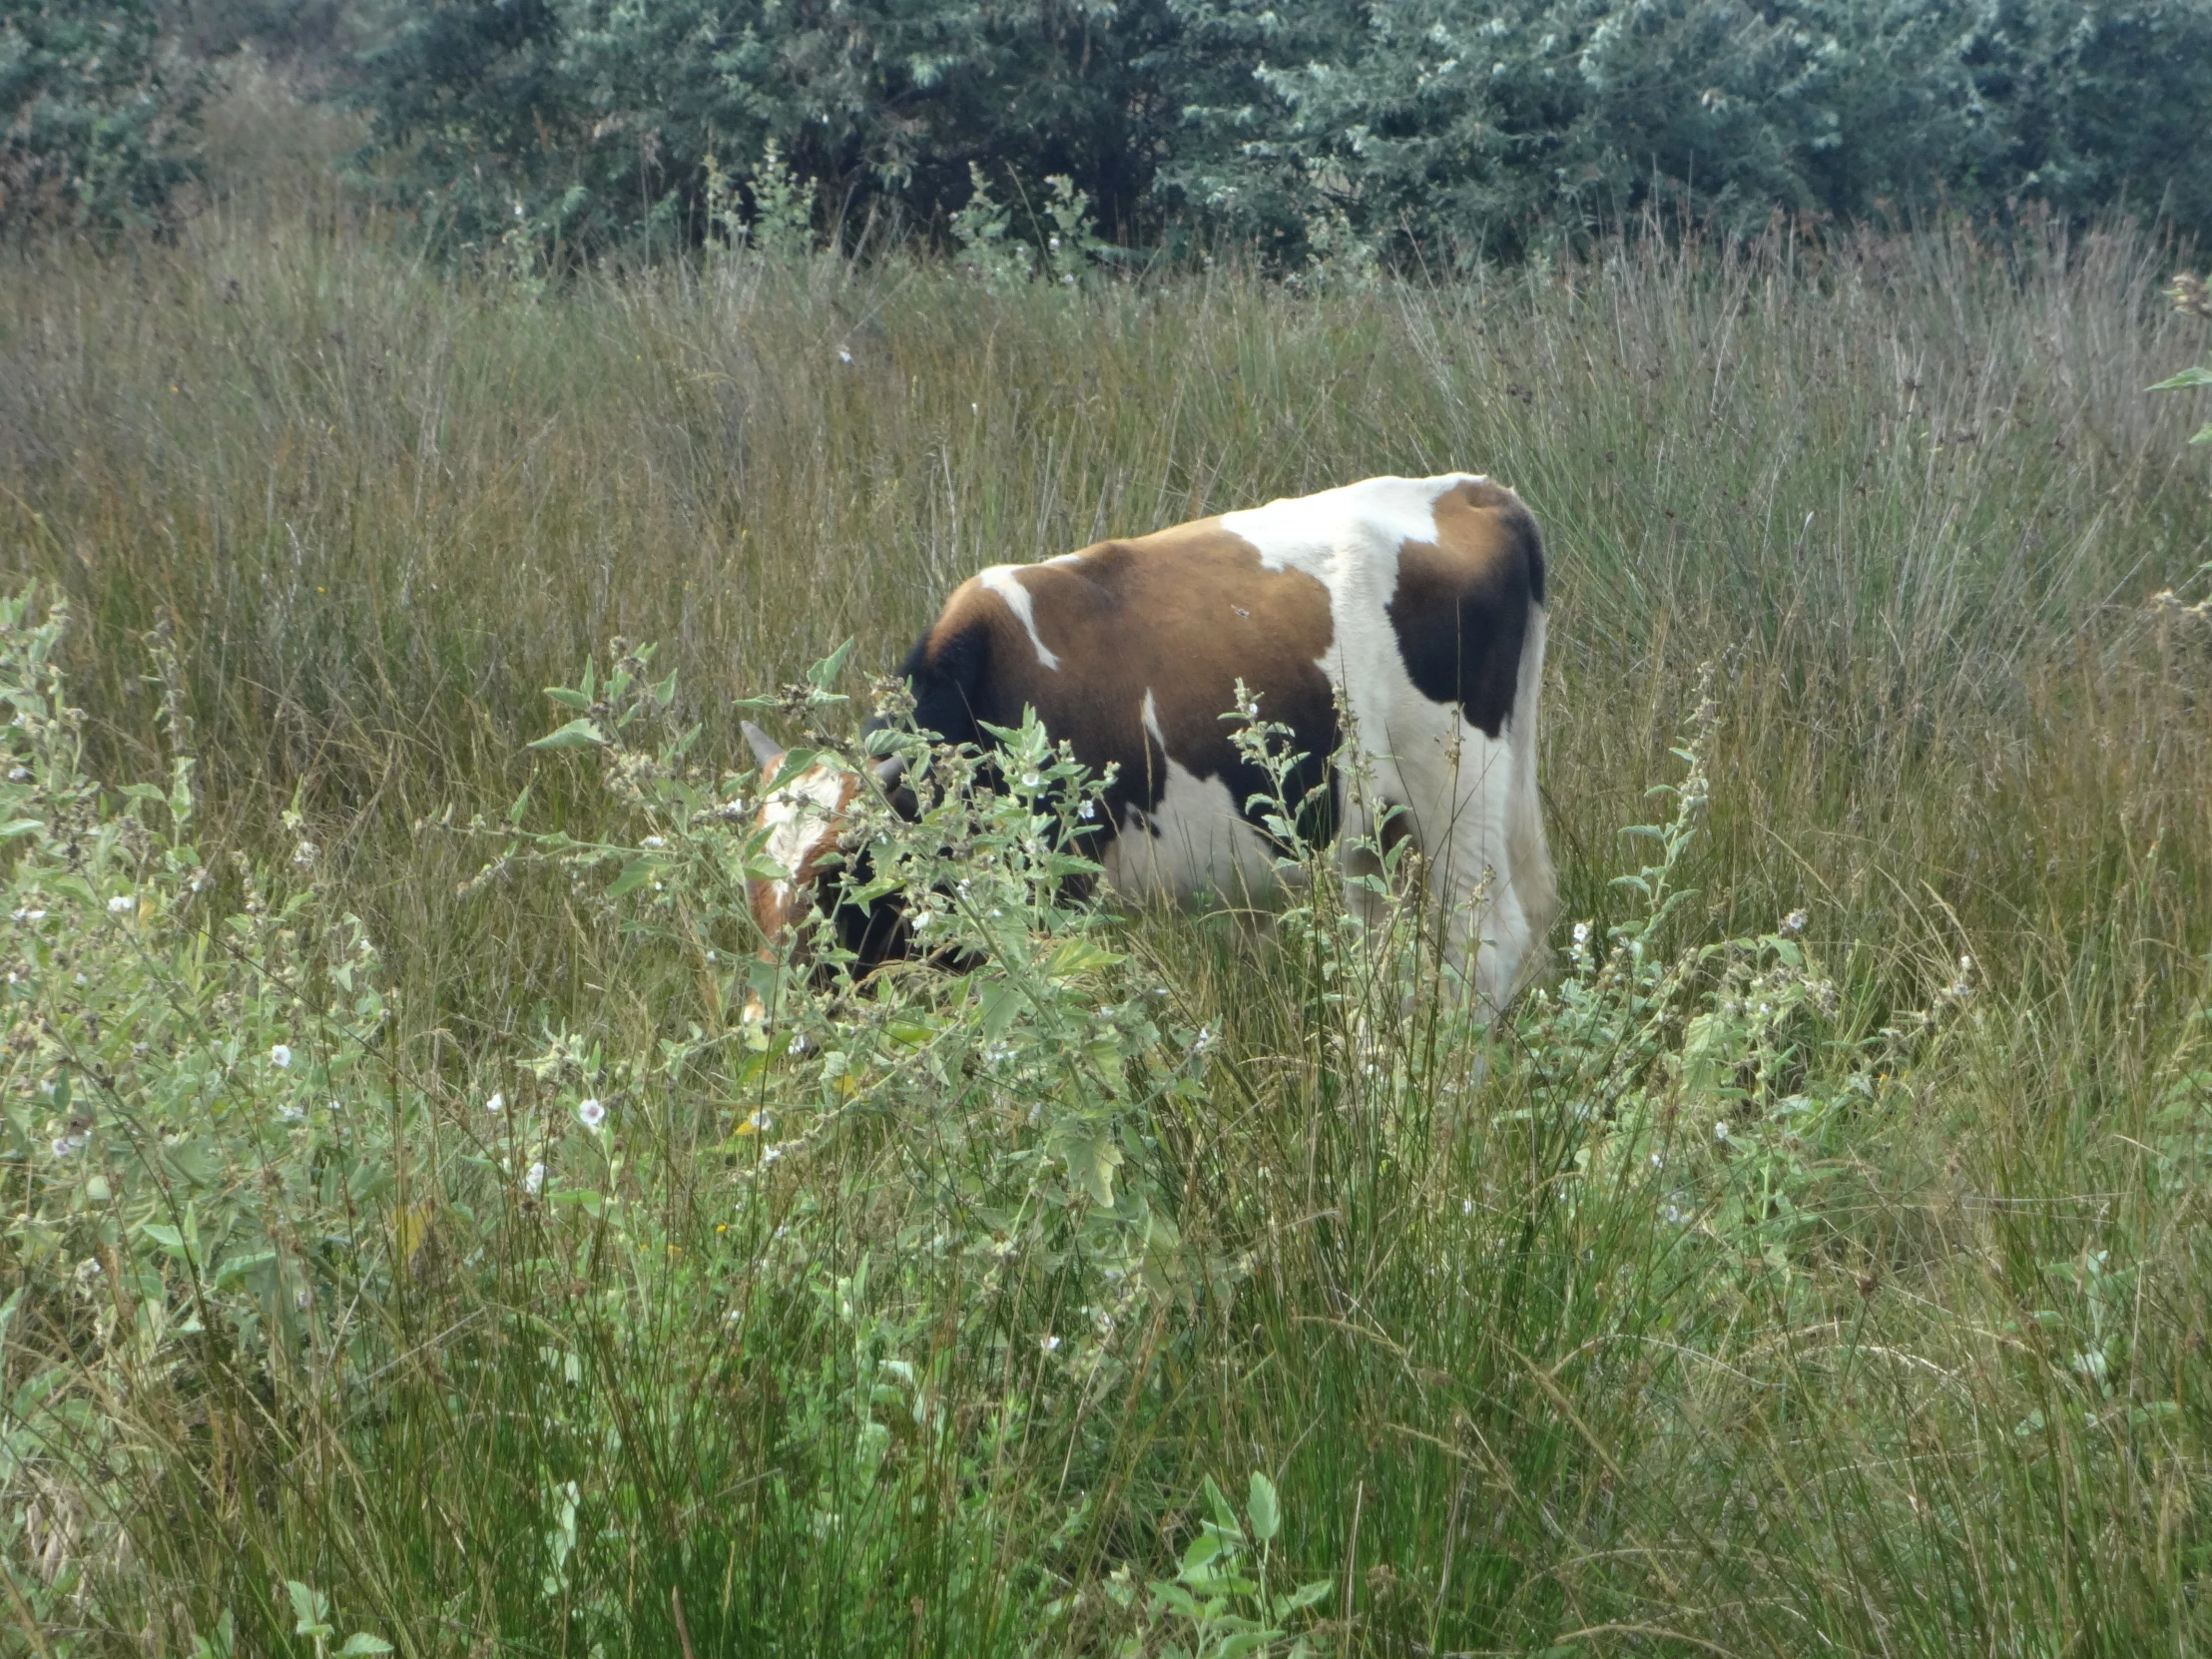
1901 499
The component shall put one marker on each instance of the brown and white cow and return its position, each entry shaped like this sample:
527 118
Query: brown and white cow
1419 601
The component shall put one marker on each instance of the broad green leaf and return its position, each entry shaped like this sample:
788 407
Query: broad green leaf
795 764
1224 1517
577 734
634 875
1001 1005
309 1607
1261 1508
1091 1162
20 826
2186 378
1202 1551
1307 1594
824 673
1078 957
361 1642
568 699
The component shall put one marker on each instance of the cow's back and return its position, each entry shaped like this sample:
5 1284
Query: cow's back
1416 601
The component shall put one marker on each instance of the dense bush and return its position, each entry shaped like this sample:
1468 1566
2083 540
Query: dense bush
590 120
1474 130
913 1242
95 118
1340 128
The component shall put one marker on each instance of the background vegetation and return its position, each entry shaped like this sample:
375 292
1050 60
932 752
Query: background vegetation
1419 133
406 1243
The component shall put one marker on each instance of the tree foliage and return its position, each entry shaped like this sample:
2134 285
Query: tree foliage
588 120
95 116
1434 129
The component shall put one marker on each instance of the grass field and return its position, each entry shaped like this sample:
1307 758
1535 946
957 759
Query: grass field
1806 1293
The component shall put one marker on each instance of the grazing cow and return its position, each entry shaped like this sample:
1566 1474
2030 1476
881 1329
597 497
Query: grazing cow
1415 604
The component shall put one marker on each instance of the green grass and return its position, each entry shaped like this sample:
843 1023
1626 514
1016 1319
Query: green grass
1903 496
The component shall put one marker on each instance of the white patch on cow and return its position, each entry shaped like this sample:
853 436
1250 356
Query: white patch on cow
1470 799
1193 841
1006 580
800 817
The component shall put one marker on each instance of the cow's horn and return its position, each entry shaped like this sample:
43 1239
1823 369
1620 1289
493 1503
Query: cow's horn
766 748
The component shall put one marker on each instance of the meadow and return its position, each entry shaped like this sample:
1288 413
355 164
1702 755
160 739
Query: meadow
406 1245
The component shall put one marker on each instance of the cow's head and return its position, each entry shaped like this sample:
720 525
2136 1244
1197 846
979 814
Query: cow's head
807 819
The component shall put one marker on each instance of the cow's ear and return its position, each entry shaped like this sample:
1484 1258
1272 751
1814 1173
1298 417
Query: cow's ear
766 750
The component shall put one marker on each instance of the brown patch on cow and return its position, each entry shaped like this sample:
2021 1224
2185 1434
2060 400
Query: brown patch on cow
1460 608
1182 614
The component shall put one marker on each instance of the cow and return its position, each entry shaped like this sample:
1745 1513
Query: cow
1412 606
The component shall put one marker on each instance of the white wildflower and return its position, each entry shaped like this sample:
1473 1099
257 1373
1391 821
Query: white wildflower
1047 1344
291 1114
592 1113
17 775
279 1056
305 854
768 1154
1719 1130
120 903
1794 923
653 841
533 1182
497 1102
1030 780
68 1146
843 356
923 919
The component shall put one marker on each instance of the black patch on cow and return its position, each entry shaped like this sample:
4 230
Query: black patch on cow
949 682
1462 607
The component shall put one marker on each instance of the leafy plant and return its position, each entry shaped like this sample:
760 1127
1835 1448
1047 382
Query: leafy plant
2191 297
96 115
1219 1604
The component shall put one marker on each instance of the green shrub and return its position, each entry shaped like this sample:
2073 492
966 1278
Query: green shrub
96 115
930 1226
1433 131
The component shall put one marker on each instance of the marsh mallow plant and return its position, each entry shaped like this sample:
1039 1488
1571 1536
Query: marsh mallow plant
903 1314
